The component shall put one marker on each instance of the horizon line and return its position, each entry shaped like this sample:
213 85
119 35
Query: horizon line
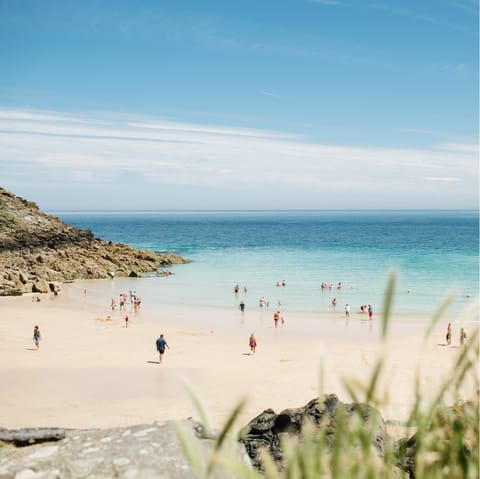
266 210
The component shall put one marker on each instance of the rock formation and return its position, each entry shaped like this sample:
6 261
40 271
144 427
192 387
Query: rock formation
328 417
136 452
38 250
265 431
154 450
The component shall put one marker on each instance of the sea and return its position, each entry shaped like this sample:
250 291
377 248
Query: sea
432 254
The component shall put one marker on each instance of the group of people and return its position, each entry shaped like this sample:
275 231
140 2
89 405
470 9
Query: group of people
236 289
448 336
135 301
364 309
329 286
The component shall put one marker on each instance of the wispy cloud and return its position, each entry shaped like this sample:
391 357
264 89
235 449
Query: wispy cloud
420 131
271 94
331 3
470 6
84 150
448 179
420 16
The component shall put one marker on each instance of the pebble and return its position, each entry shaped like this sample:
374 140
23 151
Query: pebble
130 474
43 452
145 432
26 474
89 450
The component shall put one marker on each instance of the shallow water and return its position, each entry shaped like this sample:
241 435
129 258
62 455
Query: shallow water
432 252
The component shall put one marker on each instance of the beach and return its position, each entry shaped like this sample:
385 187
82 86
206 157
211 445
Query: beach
93 373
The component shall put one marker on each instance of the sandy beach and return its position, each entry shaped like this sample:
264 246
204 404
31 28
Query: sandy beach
89 372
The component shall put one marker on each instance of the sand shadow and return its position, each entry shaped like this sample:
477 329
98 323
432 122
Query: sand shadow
30 349
153 362
246 354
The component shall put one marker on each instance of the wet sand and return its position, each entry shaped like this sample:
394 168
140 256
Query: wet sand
89 372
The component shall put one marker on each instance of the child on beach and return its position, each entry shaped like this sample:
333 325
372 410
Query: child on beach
463 336
252 342
37 336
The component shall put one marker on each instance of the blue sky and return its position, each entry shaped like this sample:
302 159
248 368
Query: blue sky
240 105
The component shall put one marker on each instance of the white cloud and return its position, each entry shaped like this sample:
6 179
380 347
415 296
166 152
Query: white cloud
87 150
442 178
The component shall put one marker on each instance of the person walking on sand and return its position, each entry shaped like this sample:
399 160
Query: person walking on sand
347 310
126 321
370 311
448 336
252 342
161 344
463 336
276 317
37 336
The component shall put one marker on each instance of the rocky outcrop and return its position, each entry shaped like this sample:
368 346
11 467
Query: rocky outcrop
448 424
136 452
38 250
328 419
266 430
155 450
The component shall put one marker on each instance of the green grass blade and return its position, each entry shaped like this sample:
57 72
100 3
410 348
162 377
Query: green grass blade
199 408
192 452
388 302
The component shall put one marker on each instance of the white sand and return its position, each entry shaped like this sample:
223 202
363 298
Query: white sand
90 373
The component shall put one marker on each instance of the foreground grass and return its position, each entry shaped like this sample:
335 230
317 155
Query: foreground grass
445 443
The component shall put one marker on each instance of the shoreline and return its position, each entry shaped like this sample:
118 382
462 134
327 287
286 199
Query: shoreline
93 373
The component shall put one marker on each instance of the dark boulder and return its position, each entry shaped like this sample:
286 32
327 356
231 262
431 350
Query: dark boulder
265 431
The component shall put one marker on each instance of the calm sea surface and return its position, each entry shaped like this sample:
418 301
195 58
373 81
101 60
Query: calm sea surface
433 252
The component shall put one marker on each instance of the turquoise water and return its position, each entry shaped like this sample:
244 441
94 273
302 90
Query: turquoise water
432 252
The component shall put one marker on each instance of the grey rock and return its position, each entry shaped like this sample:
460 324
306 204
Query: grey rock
135 452
267 429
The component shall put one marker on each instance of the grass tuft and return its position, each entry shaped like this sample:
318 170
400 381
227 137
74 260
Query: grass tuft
445 443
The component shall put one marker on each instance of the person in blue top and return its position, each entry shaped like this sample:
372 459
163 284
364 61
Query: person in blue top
161 344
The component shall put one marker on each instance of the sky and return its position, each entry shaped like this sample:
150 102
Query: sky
247 104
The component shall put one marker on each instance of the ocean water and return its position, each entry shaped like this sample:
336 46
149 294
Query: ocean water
432 253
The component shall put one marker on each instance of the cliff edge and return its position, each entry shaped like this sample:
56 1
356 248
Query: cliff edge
37 250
